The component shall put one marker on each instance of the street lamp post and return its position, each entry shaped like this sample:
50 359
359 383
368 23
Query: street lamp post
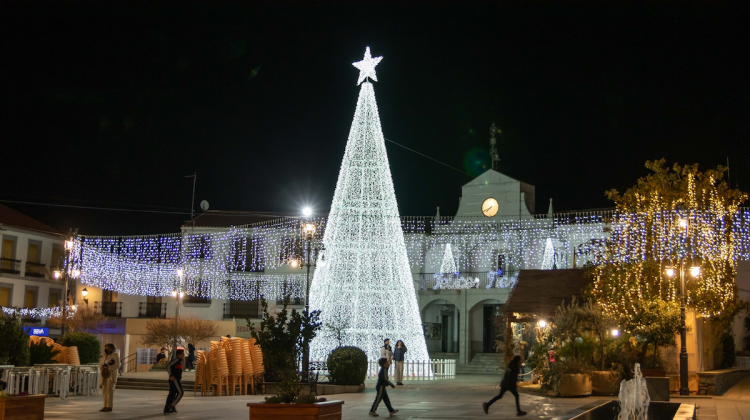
66 274
695 272
309 230
178 294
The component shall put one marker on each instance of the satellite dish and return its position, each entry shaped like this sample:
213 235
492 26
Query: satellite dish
204 205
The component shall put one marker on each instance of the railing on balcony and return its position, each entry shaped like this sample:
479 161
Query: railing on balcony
152 310
292 301
110 309
34 269
10 266
242 310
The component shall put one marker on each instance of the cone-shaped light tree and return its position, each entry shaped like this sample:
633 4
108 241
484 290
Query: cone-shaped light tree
548 260
366 278
449 263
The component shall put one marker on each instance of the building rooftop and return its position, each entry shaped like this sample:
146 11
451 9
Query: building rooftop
16 219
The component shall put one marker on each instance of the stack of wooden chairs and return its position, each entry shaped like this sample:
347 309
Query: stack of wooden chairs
229 363
219 369
202 372
72 356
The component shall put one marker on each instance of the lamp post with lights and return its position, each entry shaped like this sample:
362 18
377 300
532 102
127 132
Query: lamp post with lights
178 294
66 274
695 271
308 231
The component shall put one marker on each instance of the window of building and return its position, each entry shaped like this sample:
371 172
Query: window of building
34 254
30 296
55 296
8 263
153 299
9 248
109 296
6 294
145 356
191 300
57 254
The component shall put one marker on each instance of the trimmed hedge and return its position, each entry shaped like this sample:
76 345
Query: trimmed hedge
89 348
347 366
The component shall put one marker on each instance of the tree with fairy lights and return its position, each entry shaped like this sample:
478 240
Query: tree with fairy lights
366 278
674 217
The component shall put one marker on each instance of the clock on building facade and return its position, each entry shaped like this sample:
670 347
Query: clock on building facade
489 207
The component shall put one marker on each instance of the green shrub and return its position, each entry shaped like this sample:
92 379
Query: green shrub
347 366
14 345
41 354
89 348
728 354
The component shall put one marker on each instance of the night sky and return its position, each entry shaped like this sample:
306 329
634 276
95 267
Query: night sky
111 104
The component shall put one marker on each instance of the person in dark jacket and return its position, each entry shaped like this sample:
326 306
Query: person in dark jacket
174 368
190 358
509 383
380 392
162 355
398 357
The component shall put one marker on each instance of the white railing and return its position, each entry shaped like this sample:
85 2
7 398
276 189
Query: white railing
418 369
742 362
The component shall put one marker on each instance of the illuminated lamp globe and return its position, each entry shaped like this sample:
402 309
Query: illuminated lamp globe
695 271
84 292
174 293
683 223
307 212
293 263
56 274
615 333
76 273
669 271
543 324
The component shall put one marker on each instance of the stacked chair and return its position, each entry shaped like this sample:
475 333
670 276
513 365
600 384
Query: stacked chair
202 372
72 356
248 375
233 348
258 368
219 369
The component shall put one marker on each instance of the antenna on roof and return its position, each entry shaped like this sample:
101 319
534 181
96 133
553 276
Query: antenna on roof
493 142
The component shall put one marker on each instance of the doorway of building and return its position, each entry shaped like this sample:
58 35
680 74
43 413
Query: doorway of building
491 331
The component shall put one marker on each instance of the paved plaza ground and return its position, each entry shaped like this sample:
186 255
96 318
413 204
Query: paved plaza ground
459 398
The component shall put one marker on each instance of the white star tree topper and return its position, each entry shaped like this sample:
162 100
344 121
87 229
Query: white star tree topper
367 67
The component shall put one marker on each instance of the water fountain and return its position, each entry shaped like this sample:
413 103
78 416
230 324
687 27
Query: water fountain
633 403
634 398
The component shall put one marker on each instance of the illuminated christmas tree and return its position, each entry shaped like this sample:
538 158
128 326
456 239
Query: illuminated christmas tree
548 260
449 263
366 279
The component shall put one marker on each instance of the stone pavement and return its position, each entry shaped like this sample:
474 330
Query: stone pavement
459 398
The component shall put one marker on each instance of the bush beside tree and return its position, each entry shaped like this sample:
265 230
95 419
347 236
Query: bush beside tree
14 343
42 354
347 366
89 347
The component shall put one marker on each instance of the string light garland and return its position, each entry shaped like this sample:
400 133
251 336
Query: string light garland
673 216
548 261
38 313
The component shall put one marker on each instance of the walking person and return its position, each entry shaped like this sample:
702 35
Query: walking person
190 358
174 368
109 366
380 392
510 384
398 357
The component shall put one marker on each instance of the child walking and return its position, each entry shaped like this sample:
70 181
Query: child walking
174 368
509 383
380 391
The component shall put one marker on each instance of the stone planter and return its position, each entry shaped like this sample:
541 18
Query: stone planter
574 385
654 373
329 410
605 383
28 407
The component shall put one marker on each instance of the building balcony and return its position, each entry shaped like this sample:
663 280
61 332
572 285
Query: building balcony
10 266
109 309
242 310
36 270
152 310
292 302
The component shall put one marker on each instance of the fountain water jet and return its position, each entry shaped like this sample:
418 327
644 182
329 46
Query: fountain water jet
634 398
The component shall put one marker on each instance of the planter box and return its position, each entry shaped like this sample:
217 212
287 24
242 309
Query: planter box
29 407
574 385
605 383
329 410
654 373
